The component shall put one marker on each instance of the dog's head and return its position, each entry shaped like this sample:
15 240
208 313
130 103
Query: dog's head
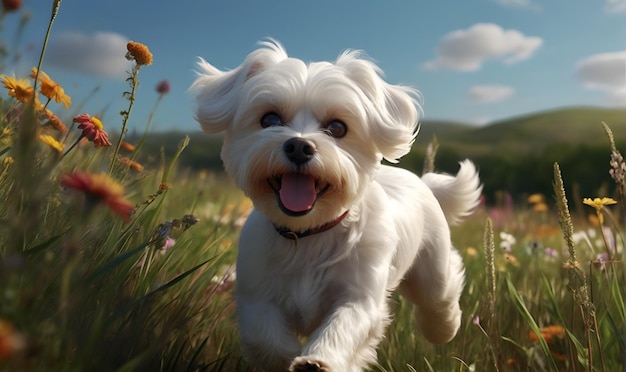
303 141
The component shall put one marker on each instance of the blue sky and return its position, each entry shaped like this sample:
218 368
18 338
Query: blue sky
474 61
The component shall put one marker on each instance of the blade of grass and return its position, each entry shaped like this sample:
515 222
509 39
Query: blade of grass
165 286
523 310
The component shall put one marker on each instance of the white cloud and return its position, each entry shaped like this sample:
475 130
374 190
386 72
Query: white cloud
102 53
605 72
489 93
615 6
467 50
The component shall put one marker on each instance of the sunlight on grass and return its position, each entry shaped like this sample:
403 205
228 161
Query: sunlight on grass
110 264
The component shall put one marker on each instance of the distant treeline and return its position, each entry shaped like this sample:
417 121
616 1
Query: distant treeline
585 170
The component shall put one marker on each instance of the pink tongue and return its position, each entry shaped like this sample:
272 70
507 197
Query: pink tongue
297 192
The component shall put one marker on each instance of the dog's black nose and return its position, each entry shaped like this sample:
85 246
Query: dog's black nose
299 150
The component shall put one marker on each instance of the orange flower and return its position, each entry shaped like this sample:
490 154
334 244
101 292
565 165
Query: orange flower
131 164
21 90
100 188
54 121
550 333
126 146
51 89
11 341
139 53
93 130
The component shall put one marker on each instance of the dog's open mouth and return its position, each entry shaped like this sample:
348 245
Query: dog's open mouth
297 192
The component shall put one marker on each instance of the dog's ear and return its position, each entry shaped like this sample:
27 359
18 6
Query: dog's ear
217 92
393 109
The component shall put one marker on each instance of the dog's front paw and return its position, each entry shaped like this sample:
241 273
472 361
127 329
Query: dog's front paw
305 364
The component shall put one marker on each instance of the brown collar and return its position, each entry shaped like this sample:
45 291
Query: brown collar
295 235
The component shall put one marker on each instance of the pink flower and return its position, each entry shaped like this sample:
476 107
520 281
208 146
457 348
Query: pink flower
93 130
163 87
168 243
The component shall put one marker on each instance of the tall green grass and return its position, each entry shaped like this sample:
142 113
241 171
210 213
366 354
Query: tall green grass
85 288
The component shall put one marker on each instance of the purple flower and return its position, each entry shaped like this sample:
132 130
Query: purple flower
163 87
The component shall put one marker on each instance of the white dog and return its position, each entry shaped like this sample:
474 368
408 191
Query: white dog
333 232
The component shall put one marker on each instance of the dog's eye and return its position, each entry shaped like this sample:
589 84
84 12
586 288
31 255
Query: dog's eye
336 128
271 119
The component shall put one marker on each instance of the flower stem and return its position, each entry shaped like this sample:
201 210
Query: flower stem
73 145
55 10
134 83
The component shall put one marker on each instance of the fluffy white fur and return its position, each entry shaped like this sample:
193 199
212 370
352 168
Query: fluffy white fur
320 302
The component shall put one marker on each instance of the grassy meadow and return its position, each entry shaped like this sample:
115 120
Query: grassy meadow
107 263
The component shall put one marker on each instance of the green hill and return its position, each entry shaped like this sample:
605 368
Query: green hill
530 133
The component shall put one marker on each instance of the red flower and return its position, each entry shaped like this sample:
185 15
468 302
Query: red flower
93 130
100 188
11 5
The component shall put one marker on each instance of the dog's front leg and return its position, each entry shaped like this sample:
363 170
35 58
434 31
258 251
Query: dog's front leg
346 340
266 340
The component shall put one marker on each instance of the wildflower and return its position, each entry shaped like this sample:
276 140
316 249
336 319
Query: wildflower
618 167
100 188
127 146
536 198
131 164
511 259
54 121
540 207
167 244
11 5
476 320
92 130
598 204
551 252
11 341
471 252
163 87
139 53
166 232
550 333
225 281
51 89
601 260
21 90
553 335
52 142
507 241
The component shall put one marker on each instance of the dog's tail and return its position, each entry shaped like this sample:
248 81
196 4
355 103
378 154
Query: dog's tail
458 195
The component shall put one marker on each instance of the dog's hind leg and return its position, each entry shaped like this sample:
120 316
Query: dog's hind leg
434 284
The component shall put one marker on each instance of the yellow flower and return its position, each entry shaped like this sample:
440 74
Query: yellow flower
51 141
20 89
51 89
598 204
139 53
536 198
540 207
471 252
